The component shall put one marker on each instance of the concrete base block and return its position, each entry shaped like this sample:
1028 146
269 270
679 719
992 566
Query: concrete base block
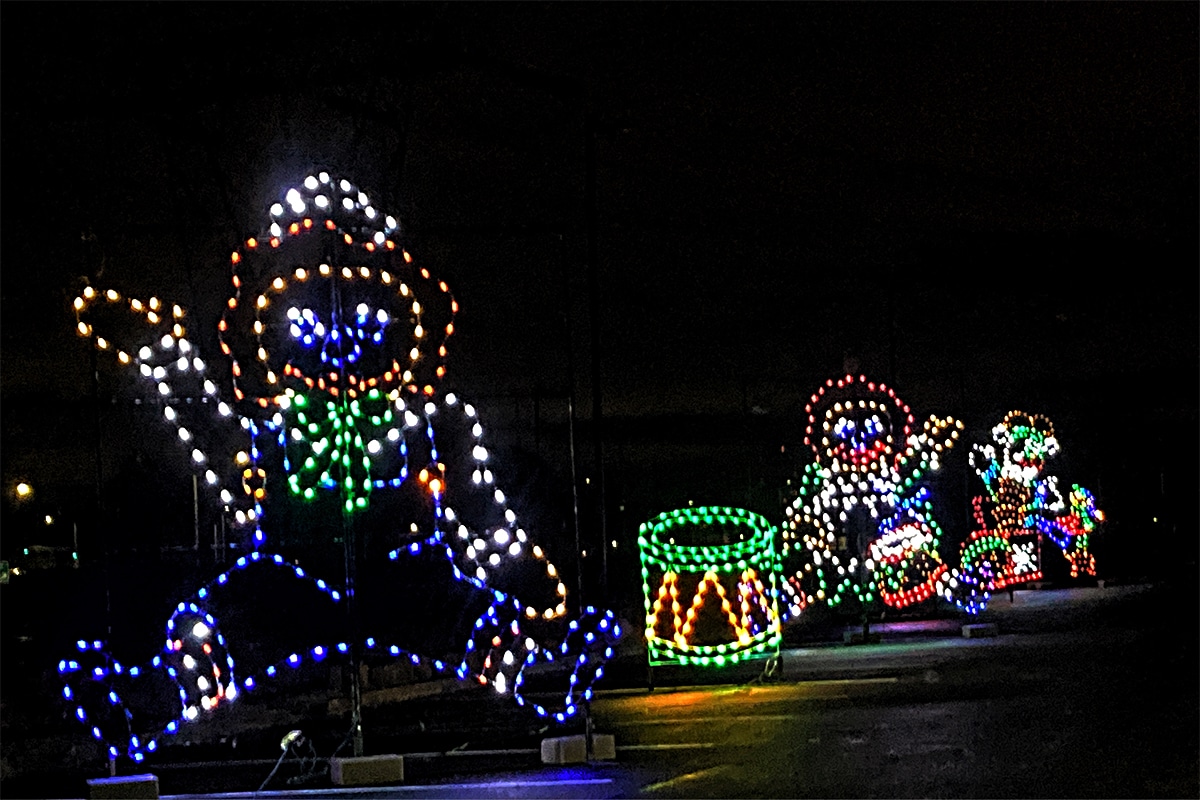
604 747
564 750
573 749
133 787
366 770
980 630
857 637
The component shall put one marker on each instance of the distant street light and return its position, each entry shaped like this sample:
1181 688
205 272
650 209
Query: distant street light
24 490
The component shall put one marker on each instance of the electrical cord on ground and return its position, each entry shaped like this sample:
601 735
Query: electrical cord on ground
308 767
290 745
286 744
345 740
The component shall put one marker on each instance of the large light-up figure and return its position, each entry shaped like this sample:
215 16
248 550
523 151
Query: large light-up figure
1022 507
862 525
336 344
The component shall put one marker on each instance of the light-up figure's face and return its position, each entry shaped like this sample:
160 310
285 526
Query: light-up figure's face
1028 441
860 436
857 425
1029 448
339 344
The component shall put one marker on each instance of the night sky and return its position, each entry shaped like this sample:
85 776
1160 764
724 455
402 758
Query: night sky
990 206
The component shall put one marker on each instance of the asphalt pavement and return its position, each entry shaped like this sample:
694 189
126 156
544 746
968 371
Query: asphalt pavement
1083 693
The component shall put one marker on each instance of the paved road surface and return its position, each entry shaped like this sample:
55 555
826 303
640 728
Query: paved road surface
1089 695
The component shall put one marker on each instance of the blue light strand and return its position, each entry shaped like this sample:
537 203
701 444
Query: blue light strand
90 679
186 678
588 640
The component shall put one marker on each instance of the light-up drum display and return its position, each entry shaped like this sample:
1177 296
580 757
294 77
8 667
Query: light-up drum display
710 579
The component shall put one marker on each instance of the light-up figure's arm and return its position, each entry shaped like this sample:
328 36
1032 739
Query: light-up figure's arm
926 448
173 373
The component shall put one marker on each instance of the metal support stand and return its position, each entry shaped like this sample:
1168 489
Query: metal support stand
773 669
351 556
355 682
590 750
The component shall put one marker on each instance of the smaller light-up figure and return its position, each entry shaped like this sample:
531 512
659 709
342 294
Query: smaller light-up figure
862 524
1070 531
1023 505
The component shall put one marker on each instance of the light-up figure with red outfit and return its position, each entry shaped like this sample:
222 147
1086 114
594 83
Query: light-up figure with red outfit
1023 505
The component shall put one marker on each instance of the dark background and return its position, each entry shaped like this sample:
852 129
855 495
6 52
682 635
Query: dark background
988 206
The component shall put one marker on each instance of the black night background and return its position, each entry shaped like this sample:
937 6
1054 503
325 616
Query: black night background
686 216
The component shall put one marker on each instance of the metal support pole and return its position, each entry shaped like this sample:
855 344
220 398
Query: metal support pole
355 684
104 530
196 516
588 728
594 316
349 551
569 337
587 706
575 495
587 710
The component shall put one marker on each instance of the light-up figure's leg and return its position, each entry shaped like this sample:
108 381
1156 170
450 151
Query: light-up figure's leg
197 661
525 624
